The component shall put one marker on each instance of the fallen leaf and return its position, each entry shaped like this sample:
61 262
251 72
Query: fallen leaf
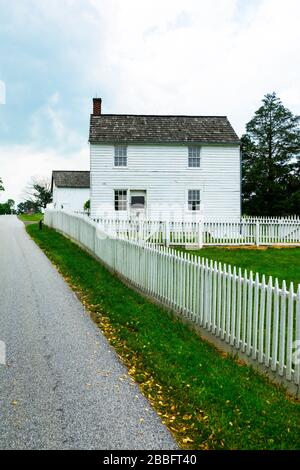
187 440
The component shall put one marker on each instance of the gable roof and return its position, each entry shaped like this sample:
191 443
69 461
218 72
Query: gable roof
129 128
71 179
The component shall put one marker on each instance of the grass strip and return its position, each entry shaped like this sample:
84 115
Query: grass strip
30 217
207 399
281 263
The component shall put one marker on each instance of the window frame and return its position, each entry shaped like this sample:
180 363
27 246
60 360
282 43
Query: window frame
117 200
120 157
194 156
195 200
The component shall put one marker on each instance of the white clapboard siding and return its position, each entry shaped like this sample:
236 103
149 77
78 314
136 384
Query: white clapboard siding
162 170
262 319
71 199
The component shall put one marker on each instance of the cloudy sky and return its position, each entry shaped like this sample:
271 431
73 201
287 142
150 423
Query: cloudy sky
140 56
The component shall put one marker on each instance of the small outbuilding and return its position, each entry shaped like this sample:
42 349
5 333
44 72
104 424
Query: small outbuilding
70 189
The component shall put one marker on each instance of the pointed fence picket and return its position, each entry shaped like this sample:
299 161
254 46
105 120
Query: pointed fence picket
260 318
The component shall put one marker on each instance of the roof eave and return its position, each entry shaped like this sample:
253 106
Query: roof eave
183 143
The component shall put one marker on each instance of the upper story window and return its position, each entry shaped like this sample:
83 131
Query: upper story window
120 155
120 200
194 199
194 157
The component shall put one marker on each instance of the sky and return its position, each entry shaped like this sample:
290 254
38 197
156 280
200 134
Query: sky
217 57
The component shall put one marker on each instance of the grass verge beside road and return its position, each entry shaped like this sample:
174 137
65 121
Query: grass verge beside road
283 263
206 398
30 218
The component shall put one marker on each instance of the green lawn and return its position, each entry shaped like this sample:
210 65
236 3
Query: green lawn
283 263
207 399
31 218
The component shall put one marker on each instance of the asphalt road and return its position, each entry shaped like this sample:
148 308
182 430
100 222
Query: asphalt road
63 386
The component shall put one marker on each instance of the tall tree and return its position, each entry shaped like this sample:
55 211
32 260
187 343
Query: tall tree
271 152
39 191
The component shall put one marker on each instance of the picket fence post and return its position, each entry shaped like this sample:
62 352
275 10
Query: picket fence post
257 233
200 234
167 233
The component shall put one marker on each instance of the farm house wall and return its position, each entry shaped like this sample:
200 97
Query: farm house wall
70 198
162 170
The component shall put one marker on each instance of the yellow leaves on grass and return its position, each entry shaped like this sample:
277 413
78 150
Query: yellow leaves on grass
181 423
187 440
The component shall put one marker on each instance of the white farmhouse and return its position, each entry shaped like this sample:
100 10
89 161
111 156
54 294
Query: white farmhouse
70 189
164 167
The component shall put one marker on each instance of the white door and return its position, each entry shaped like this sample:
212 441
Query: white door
138 203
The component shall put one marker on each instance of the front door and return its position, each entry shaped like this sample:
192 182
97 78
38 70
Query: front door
137 203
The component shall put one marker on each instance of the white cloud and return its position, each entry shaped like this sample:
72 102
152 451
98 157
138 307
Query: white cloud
217 57
18 163
47 124
154 56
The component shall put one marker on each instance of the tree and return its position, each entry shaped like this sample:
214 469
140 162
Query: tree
87 206
7 207
1 185
27 206
271 152
38 191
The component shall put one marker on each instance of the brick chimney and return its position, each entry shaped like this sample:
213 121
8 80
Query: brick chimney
97 102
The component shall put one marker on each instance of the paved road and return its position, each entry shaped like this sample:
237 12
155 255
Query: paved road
63 386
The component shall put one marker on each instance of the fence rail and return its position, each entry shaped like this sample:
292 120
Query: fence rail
256 316
245 232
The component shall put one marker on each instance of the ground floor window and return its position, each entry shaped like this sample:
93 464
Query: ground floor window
120 199
194 199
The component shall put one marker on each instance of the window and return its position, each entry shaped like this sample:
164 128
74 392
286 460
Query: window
120 200
194 157
120 155
194 199
137 202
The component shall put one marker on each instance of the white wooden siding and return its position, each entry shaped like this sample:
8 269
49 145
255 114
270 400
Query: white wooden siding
164 173
70 198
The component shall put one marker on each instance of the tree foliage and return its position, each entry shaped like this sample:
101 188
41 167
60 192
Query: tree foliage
1 185
7 207
27 206
38 191
87 205
271 161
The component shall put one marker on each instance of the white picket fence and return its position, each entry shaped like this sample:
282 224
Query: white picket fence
171 233
265 219
251 314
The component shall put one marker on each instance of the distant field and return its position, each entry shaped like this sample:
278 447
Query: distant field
281 263
31 218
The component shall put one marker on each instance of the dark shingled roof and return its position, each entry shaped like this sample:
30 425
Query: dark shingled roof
71 179
125 128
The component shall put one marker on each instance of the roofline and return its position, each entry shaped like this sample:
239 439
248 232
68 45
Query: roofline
161 115
68 171
183 143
